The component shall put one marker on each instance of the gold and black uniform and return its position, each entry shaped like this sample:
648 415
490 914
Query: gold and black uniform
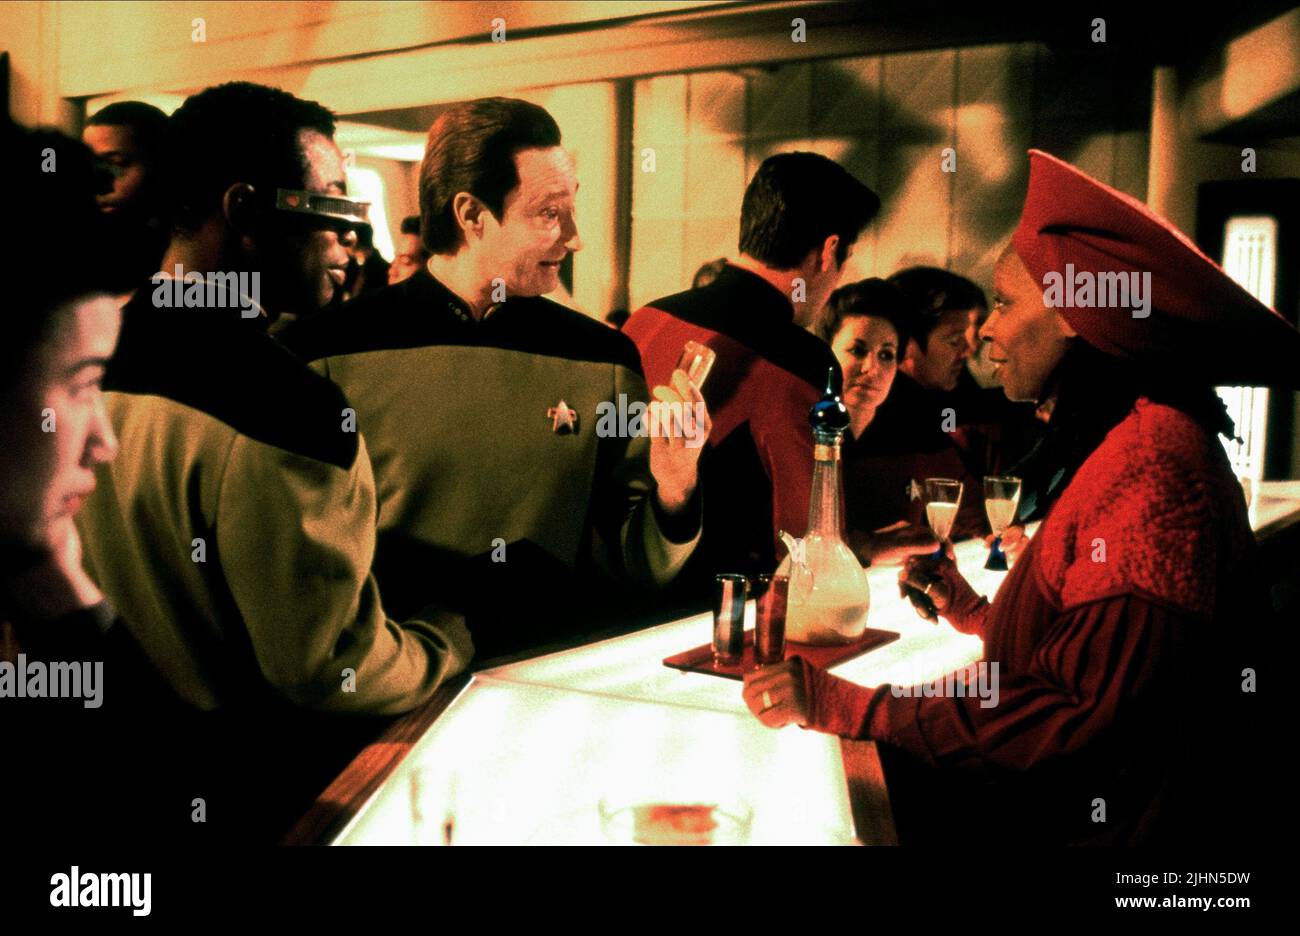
235 530
492 475
234 534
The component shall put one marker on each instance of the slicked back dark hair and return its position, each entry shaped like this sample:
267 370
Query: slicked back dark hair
49 204
935 291
874 297
471 148
147 123
797 200
231 133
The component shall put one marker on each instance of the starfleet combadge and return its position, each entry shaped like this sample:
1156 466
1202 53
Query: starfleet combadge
564 421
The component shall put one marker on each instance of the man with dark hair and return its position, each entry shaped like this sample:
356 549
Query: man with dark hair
943 337
790 212
308 259
472 148
799 220
235 531
411 254
128 139
487 406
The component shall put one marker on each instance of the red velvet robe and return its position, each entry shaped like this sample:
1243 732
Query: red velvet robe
1112 635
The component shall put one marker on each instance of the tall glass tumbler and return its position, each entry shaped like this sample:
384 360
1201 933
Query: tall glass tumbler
769 629
729 593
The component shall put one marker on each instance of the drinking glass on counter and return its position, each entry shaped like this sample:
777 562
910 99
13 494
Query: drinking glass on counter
433 805
773 591
721 821
729 593
942 498
1001 498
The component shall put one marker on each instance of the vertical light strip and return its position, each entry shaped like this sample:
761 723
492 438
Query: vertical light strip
1250 258
954 109
367 183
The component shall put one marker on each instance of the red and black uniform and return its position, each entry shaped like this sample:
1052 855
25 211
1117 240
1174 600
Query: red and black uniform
768 373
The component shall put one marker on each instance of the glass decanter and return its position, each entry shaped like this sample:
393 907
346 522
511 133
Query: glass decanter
828 597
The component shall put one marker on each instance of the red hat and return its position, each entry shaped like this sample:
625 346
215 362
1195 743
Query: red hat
1135 287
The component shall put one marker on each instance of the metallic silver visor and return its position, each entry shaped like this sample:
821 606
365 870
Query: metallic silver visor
338 208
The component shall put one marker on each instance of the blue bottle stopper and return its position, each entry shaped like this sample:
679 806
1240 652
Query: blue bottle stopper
829 414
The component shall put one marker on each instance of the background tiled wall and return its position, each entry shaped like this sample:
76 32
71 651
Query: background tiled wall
886 119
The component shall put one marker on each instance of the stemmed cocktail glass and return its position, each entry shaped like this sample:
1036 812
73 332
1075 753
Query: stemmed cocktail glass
1001 498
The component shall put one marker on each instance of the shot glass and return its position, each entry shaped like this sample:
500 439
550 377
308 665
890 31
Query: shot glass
696 360
730 591
769 622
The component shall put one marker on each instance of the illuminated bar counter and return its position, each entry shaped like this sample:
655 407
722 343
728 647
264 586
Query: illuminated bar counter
526 753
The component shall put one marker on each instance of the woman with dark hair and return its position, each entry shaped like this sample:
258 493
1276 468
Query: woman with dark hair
1119 649
865 325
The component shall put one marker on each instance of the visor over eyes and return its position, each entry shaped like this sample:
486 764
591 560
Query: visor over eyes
336 212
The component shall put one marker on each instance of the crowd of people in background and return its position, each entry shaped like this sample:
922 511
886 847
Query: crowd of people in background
291 525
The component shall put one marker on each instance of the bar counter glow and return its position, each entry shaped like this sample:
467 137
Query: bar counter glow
526 751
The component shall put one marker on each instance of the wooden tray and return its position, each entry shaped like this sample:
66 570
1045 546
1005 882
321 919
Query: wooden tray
700 660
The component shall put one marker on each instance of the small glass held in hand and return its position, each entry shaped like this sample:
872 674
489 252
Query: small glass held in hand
1001 499
696 360
942 498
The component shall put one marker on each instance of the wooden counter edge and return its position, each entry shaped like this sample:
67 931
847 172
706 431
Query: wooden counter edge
873 817
350 790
